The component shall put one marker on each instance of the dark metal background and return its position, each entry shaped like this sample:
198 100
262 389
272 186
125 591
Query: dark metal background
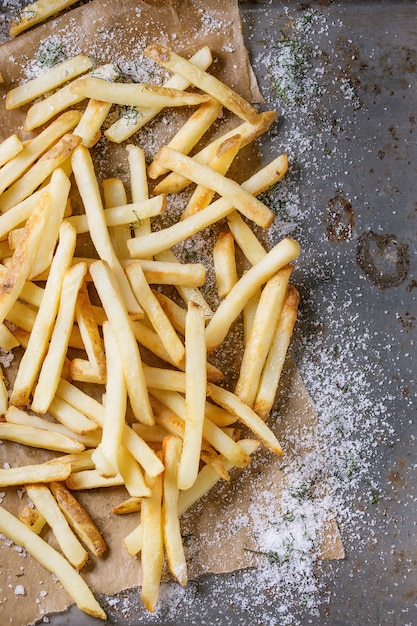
376 584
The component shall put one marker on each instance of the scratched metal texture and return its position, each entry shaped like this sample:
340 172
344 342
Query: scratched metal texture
377 51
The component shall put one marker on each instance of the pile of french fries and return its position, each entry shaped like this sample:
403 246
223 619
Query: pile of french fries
165 430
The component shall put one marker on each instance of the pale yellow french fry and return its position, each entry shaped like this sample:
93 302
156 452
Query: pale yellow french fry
91 479
72 419
9 148
117 314
195 394
206 82
261 334
79 519
40 171
125 126
131 505
171 272
155 313
133 541
4 396
49 80
138 184
246 415
106 455
94 116
76 462
24 256
39 438
48 507
135 94
40 473
87 184
224 259
152 555
115 196
8 341
51 369
32 519
164 239
35 13
249 312
174 311
280 255
142 452
53 561
190 133
81 401
17 215
171 454
175 182
132 475
43 323
271 374
245 238
168 379
150 434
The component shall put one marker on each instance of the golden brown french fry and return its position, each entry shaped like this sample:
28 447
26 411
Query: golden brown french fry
87 184
224 260
53 363
135 94
195 395
190 133
280 255
79 519
35 13
127 125
131 505
24 256
261 334
32 519
171 454
48 507
53 561
9 148
49 80
94 116
152 556
43 324
40 473
271 374
206 82
117 314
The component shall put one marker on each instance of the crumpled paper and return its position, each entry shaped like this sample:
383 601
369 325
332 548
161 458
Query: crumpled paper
108 30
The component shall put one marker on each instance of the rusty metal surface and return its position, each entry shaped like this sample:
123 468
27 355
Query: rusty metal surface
360 228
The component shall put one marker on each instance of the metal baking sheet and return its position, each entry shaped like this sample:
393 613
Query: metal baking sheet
343 76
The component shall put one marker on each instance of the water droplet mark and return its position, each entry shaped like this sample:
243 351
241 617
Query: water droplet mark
383 258
339 219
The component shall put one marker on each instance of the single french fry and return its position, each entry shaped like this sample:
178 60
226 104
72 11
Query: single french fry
138 184
152 555
35 13
206 82
94 116
171 454
38 173
174 311
115 196
32 519
9 148
90 193
76 462
69 417
79 519
133 541
117 314
261 334
271 374
224 260
131 505
24 256
125 126
190 133
91 479
41 473
155 313
195 394
164 239
167 379
135 94
280 255
53 561
51 369
39 438
48 507
245 238
132 475
4 395
52 78
43 324
171 273
106 455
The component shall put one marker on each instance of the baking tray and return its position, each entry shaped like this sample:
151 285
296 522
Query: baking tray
350 199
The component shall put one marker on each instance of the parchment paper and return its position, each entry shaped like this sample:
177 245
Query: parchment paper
106 30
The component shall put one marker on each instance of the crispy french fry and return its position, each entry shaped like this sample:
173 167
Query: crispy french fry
131 505
79 519
51 369
125 126
195 394
43 324
32 519
261 335
224 259
208 83
280 255
171 454
52 78
53 561
270 377
48 507
88 128
152 555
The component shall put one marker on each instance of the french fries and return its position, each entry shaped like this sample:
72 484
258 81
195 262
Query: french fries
116 372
